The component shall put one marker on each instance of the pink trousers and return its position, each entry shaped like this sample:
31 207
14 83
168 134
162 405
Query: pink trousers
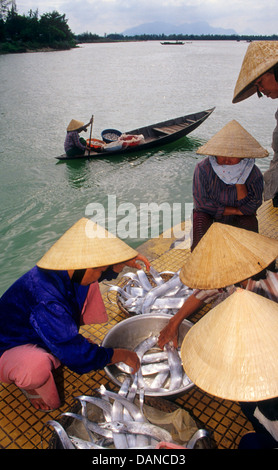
30 368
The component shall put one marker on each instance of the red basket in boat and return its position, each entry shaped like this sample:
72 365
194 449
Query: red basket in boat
130 140
95 143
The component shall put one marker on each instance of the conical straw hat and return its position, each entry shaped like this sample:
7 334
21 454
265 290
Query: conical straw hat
260 57
232 351
226 255
74 125
233 141
86 245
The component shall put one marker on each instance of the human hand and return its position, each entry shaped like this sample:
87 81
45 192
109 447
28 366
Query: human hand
130 358
241 191
132 263
169 333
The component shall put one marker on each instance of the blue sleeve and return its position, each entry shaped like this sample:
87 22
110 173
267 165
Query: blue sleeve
59 332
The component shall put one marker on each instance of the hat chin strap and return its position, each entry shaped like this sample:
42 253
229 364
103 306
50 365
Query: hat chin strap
78 275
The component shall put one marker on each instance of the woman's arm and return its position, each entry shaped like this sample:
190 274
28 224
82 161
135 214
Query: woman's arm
133 263
170 331
128 357
250 198
242 192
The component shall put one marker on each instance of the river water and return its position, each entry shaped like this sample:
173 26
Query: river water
124 85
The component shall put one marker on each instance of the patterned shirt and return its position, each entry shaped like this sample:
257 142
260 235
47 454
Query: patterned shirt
212 195
267 287
72 140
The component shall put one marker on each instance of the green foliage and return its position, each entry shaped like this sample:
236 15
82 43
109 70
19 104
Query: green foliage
19 33
87 37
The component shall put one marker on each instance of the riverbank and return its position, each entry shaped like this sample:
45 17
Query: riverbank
17 47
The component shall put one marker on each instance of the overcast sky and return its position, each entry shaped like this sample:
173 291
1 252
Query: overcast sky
114 16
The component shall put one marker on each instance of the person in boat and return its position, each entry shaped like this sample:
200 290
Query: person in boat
259 73
42 311
227 185
74 143
225 258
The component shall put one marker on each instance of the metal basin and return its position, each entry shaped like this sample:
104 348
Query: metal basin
129 333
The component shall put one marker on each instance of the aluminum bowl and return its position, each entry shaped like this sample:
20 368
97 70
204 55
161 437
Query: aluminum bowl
129 333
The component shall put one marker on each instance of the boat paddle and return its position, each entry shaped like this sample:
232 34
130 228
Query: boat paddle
92 120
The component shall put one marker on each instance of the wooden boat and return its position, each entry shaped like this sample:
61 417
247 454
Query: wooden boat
175 43
155 135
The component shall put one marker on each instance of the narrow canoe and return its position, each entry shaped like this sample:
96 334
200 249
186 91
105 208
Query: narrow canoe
155 135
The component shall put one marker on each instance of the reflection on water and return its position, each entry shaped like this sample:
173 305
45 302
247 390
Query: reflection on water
77 172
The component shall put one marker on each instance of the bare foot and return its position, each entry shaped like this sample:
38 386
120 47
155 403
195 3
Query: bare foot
36 400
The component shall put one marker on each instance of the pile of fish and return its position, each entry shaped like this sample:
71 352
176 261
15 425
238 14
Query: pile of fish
124 425
140 296
160 371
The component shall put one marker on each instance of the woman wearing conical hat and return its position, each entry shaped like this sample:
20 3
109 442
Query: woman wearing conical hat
74 144
231 353
42 311
259 73
225 257
227 185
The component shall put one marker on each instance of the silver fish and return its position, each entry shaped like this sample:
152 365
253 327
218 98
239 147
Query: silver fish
103 404
131 439
120 439
153 357
84 413
146 345
176 370
140 350
156 276
159 291
186 380
133 302
146 429
82 444
133 284
121 291
136 291
168 302
94 427
143 279
200 434
160 379
134 410
150 369
131 275
133 389
65 440
131 407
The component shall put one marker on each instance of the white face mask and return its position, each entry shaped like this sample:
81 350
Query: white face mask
233 174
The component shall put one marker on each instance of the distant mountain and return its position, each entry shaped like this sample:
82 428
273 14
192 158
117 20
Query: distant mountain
158 27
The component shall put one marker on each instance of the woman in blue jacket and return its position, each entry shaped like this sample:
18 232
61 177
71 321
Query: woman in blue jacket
42 311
